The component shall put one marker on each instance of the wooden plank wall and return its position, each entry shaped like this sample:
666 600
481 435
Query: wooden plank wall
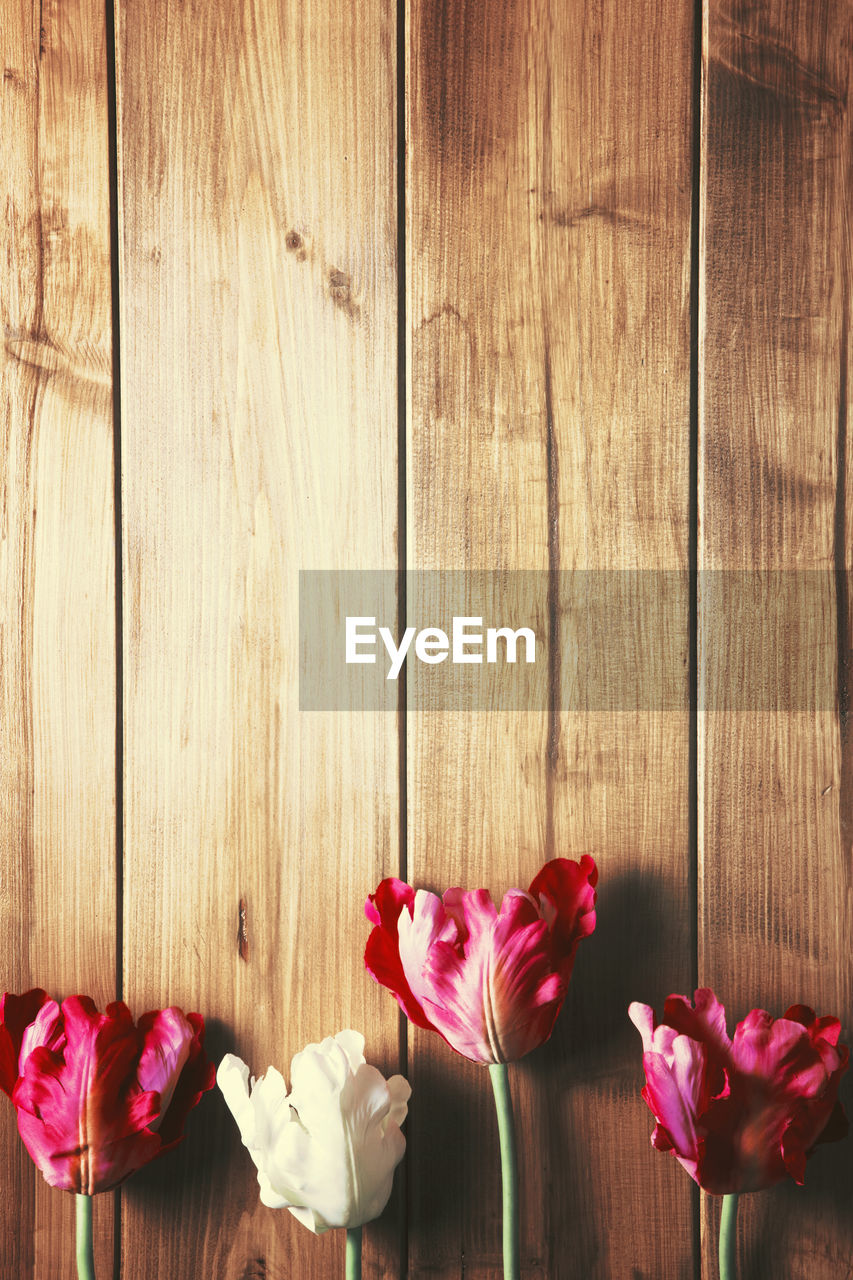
57 562
775 838
626 335
258 232
549 214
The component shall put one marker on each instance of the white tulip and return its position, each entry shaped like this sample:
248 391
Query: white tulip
326 1151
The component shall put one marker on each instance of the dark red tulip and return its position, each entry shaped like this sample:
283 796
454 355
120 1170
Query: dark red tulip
742 1113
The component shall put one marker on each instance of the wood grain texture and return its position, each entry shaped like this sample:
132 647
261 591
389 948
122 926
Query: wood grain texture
775 780
548 178
258 321
57 568
548 189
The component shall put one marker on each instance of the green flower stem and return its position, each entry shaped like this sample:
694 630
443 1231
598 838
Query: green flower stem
728 1238
85 1255
353 1253
503 1102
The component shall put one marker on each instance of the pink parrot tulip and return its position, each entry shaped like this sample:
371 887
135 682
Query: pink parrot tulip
490 982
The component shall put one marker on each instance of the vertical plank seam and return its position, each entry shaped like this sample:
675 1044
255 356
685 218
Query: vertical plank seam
693 554
112 166
402 549
552 496
552 489
842 593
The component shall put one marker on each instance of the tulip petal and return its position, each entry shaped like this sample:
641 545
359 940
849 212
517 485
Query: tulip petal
499 999
268 1128
16 1015
308 1171
763 1046
671 1096
271 1110
352 1043
307 1217
824 1034
736 1153
367 1103
455 977
345 1160
677 1088
657 1037
392 902
46 1029
643 1018
433 921
565 892
166 1040
704 1020
232 1076
467 916
399 1092
197 1076
318 1075
525 995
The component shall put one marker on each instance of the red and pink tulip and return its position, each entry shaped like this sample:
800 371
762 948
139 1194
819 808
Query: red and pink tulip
98 1096
490 981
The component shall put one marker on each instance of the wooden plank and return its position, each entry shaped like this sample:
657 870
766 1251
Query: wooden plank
548 307
258 323
57 567
775 779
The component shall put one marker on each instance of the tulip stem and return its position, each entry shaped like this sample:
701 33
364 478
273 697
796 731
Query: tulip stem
353 1253
503 1103
728 1238
85 1254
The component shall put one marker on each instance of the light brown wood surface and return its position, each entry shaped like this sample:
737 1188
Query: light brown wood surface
548 186
258 346
774 771
57 568
554 279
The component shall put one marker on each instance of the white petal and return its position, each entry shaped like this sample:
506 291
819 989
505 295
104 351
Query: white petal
352 1043
319 1074
271 1107
400 1091
309 1219
263 1119
269 1196
312 1175
233 1079
375 1142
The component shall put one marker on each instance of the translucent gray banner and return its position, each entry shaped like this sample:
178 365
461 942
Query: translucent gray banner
590 641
